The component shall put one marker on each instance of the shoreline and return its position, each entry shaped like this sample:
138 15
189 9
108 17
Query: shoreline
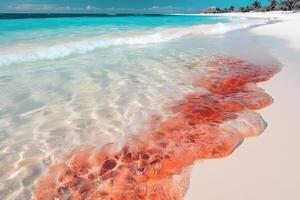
58 137
264 167
280 21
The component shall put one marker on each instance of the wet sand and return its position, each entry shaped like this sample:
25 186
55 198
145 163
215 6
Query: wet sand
264 167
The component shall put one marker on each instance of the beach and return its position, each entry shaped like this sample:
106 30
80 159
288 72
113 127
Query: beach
134 106
264 167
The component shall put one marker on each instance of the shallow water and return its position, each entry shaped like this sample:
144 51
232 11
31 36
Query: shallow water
71 82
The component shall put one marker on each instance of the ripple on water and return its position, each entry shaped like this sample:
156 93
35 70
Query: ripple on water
153 164
50 108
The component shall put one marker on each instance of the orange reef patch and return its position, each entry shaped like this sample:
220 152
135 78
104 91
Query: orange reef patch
155 165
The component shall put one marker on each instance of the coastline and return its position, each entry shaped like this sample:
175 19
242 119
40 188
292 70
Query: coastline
264 167
103 92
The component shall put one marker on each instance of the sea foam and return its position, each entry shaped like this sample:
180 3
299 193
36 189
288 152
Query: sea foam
34 52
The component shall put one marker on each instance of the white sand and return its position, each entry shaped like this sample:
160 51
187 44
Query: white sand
265 167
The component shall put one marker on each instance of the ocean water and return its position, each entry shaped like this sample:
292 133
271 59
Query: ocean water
72 81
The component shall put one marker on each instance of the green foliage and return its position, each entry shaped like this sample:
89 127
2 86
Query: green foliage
231 8
244 9
284 5
256 5
291 4
272 5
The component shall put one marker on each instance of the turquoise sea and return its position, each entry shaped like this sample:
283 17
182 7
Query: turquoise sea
73 80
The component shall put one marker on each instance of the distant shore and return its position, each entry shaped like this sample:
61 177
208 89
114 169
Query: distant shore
287 28
265 167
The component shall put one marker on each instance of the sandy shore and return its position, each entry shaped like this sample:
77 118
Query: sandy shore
264 167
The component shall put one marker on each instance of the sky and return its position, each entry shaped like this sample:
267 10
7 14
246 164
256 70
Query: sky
113 6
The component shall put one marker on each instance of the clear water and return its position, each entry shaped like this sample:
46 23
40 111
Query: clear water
72 81
14 31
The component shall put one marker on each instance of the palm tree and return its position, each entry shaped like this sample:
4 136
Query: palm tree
256 5
293 4
247 9
297 5
288 4
272 5
231 8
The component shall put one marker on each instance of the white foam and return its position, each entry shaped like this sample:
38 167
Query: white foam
35 52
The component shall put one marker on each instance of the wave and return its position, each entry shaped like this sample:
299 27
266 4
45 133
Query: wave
14 54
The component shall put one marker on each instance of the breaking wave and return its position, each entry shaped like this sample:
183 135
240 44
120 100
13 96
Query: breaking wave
35 52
